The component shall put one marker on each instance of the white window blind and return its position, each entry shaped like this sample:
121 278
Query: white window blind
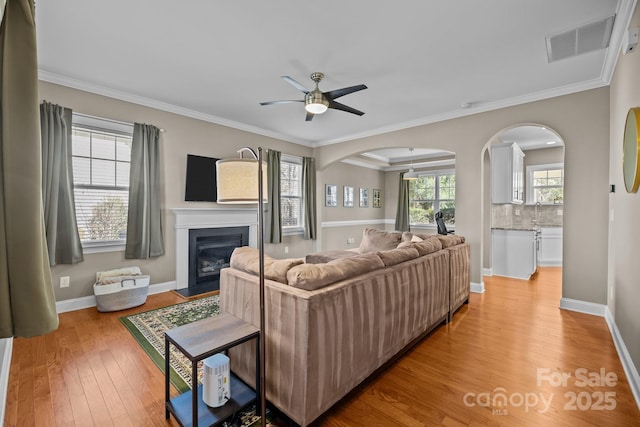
101 162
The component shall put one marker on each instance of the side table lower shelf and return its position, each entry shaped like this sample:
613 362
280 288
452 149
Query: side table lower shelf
241 396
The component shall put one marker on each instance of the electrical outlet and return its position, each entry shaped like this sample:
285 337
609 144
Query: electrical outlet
64 281
559 212
517 212
350 240
286 249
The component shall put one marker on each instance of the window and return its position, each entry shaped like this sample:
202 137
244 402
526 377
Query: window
101 156
545 184
291 193
431 193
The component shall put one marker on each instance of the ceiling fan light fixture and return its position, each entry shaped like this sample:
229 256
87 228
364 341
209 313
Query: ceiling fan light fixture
315 102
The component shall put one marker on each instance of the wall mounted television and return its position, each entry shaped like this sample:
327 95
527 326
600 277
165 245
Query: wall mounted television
201 179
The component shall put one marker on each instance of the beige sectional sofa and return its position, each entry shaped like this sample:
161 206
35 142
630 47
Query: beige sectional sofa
330 325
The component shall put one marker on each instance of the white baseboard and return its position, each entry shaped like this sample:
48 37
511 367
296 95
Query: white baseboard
625 358
90 301
6 348
487 271
549 263
477 288
582 306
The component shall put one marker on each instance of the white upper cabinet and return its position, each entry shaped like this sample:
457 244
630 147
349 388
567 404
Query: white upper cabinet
507 173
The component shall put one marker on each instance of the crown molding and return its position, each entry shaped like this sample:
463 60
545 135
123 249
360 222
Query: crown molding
362 164
622 21
163 106
475 109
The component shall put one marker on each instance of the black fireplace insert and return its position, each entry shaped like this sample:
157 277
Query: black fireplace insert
210 251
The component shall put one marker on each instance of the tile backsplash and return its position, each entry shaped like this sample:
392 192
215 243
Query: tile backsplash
521 216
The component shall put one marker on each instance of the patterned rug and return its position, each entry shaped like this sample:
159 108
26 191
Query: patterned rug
148 329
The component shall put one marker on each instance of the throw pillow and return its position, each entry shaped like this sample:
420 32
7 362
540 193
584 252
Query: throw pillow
379 240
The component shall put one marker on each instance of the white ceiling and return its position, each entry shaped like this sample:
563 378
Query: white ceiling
217 60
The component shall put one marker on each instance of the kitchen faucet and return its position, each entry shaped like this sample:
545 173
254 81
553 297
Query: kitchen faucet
536 213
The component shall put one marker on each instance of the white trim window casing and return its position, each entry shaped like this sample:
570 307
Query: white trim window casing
101 156
545 184
432 192
291 194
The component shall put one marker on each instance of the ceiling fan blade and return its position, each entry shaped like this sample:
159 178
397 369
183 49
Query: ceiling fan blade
288 101
337 106
309 117
333 94
295 84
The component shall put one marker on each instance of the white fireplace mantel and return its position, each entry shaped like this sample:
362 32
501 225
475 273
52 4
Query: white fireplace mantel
194 218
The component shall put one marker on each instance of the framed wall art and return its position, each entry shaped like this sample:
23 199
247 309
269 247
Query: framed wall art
377 198
347 200
331 195
364 198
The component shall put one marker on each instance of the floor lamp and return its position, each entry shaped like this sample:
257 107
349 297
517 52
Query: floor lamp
244 181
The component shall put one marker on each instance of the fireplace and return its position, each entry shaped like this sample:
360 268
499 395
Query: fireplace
189 220
209 252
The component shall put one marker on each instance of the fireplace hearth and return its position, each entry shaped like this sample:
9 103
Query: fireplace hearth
209 252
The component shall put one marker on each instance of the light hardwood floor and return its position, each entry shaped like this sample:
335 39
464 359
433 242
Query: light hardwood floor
513 341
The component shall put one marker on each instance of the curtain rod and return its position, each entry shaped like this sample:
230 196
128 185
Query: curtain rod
118 122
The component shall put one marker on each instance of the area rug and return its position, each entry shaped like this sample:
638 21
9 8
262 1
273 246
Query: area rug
148 329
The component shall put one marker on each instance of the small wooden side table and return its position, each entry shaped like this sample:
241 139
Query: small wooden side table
197 341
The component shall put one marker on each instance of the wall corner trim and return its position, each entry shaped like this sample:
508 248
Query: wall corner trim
477 288
6 349
625 358
90 301
582 306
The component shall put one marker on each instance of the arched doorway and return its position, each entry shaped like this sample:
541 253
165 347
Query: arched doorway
523 195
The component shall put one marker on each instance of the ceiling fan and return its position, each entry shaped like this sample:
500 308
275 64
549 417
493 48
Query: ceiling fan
316 101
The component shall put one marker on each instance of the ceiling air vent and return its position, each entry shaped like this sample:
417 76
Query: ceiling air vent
589 37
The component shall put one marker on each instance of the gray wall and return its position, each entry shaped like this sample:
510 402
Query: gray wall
182 136
341 174
624 225
581 119
543 156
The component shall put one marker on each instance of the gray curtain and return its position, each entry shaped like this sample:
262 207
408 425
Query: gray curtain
27 302
63 241
274 211
144 224
309 197
402 214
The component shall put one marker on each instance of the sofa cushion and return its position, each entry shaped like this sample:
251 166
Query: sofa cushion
425 247
379 240
398 255
316 276
409 236
326 256
247 259
450 240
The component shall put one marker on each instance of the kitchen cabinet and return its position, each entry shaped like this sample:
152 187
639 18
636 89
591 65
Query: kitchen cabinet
514 252
550 248
507 173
